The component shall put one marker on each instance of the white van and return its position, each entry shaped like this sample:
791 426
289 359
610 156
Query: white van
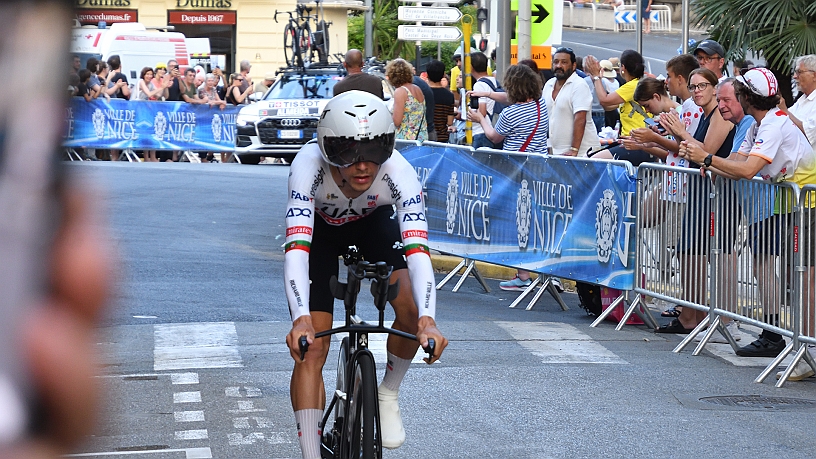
135 45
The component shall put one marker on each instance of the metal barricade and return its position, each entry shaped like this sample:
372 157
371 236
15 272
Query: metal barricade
626 18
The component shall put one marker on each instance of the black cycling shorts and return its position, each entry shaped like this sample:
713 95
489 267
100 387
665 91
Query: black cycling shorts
377 237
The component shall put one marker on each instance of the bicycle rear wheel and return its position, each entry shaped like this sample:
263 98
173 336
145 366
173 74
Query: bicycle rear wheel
289 43
362 422
304 43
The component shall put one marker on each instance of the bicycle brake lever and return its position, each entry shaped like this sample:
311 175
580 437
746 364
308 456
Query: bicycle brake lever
303 344
430 349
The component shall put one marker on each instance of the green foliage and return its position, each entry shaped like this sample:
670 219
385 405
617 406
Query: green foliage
777 30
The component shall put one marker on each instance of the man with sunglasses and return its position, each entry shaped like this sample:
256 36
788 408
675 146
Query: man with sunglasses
342 191
569 102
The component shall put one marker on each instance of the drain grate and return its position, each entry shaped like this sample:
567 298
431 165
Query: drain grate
759 401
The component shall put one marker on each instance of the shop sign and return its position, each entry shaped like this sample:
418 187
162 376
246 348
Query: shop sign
204 4
93 17
86 3
202 17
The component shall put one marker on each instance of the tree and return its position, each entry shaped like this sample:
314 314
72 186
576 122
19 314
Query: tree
778 31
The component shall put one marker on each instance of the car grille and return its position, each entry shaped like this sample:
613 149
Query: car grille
268 131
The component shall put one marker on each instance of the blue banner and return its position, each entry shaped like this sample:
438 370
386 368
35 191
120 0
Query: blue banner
149 125
573 218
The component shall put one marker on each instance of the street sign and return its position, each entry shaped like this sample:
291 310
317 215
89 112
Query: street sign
630 17
547 20
542 55
431 14
429 33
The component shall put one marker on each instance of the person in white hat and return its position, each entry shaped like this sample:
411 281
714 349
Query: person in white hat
777 150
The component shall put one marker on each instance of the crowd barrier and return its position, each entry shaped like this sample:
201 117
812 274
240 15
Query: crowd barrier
734 250
604 17
556 216
149 125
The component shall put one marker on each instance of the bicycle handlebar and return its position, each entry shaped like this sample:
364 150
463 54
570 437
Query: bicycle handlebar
303 343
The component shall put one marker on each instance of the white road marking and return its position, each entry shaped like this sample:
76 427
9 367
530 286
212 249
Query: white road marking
190 453
184 378
198 434
240 423
559 343
237 439
145 317
252 392
232 391
246 406
187 397
188 416
195 345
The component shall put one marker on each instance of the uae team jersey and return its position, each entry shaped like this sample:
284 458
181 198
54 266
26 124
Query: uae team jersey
313 193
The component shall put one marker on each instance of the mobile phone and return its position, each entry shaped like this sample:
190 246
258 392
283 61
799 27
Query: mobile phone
29 193
651 122
474 102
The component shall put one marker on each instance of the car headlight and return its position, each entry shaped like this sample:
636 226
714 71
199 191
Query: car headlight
244 119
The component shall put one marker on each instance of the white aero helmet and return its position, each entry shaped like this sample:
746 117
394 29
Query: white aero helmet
355 126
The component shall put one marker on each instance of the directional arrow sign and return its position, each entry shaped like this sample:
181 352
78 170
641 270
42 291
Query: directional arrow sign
541 14
438 14
429 33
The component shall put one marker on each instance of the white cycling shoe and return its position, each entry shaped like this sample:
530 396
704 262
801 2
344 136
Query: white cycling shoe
392 433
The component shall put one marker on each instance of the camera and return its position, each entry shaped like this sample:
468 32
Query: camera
474 102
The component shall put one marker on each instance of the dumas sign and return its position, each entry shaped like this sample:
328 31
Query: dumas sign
201 17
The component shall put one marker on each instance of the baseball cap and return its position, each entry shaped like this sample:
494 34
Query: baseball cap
607 69
269 76
760 81
710 47
161 65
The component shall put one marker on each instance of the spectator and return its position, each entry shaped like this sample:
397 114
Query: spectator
117 79
522 126
356 78
646 13
76 64
73 85
484 83
83 90
187 86
221 83
712 134
443 101
711 55
572 131
632 115
742 65
102 78
803 112
267 82
610 85
93 66
244 69
174 90
652 96
409 104
456 70
209 94
162 79
145 91
430 104
234 94
778 151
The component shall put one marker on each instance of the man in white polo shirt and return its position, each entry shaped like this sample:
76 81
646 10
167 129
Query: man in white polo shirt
803 112
569 102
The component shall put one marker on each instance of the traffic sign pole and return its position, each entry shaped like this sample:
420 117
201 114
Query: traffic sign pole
467 21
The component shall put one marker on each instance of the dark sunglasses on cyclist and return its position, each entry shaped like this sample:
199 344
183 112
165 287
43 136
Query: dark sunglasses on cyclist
345 151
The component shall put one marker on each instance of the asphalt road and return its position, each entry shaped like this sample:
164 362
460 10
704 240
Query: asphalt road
196 365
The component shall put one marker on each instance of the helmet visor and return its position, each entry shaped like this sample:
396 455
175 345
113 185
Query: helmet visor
345 151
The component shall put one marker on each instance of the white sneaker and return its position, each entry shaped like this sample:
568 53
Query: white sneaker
515 284
802 371
718 338
392 433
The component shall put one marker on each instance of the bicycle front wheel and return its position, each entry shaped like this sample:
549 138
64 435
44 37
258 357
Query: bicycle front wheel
289 43
363 424
304 42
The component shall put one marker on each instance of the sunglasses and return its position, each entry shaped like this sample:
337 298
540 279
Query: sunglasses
698 86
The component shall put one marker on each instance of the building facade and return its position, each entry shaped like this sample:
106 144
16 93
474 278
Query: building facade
237 29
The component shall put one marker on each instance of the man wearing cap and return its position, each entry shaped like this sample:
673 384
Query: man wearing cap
778 150
711 55
803 112
262 86
572 132
356 78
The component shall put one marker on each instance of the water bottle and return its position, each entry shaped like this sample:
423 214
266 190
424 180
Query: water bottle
617 129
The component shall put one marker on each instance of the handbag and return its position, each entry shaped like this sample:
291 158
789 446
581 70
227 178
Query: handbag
538 120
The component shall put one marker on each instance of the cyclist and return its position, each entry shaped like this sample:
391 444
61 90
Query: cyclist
351 179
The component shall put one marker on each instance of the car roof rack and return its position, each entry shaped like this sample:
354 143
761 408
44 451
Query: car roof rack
314 69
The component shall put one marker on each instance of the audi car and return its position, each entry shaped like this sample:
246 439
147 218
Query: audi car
286 117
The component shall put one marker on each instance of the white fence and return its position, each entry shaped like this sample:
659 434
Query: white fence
604 17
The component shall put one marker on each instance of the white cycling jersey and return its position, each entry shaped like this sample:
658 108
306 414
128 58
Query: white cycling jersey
312 190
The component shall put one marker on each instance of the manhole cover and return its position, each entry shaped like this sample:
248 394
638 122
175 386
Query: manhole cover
759 401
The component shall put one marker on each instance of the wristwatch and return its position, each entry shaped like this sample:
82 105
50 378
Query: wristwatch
707 160
596 78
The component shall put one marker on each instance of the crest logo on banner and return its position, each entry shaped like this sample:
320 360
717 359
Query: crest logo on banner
159 126
216 128
98 120
450 203
524 208
606 223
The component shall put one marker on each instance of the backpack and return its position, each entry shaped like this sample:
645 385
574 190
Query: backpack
590 297
497 106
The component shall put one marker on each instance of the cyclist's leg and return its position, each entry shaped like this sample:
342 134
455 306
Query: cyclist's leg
307 391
